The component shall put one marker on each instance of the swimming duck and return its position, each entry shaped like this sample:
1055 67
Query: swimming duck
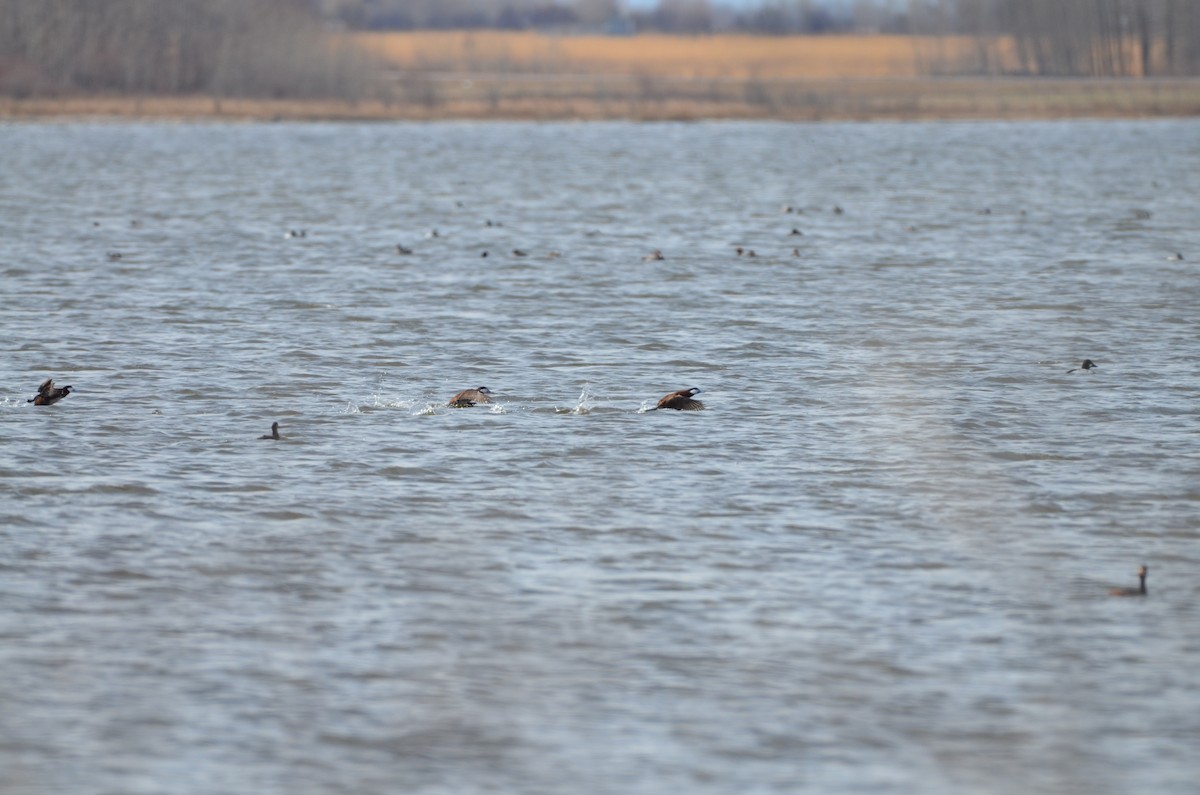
1088 364
274 434
681 400
654 256
469 397
48 394
403 249
1139 591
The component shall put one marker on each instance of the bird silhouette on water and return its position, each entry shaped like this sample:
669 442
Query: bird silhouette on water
1139 591
1087 364
470 397
682 400
48 394
274 434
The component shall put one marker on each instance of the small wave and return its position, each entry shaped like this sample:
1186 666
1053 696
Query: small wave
426 410
351 408
384 403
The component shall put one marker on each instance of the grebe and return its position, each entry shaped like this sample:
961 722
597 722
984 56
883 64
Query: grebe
1139 591
469 397
48 394
681 400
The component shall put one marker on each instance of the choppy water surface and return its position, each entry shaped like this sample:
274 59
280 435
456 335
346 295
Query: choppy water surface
877 562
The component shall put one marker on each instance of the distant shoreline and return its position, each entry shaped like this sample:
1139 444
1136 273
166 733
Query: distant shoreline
482 97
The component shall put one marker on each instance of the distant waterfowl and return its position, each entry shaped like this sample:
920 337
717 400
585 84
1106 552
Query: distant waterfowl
795 252
740 251
433 233
654 256
469 397
787 208
1087 364
483 254
294 233
516 252
1138 591
837 209
274 434
402 249
1176 257
681 400
114 256
796 232
751 253
49 394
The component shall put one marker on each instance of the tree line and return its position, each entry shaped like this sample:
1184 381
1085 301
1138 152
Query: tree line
259 48
297 48
1082 38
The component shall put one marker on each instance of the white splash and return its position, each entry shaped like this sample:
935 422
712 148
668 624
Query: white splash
585 402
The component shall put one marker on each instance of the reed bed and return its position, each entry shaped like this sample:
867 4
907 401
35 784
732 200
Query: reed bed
497 75
712 57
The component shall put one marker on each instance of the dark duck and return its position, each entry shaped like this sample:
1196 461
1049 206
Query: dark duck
1087 364
469 397
1139 591
274 434
683 400
49 394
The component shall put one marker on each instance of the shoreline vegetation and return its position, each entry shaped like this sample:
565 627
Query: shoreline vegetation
268 60
479 97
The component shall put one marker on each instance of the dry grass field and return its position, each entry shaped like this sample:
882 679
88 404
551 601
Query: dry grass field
722 57
498 75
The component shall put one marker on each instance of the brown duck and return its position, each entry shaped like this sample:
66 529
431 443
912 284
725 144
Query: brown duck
49 394
681 400
469 397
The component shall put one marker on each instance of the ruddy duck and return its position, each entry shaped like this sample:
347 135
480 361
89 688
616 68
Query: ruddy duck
49 394
1139 591
681 400
1088 364
274 434
469 397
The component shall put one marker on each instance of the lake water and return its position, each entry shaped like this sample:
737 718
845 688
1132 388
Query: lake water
878 561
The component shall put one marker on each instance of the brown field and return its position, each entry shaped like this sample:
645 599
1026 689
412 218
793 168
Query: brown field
494 75
722 57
